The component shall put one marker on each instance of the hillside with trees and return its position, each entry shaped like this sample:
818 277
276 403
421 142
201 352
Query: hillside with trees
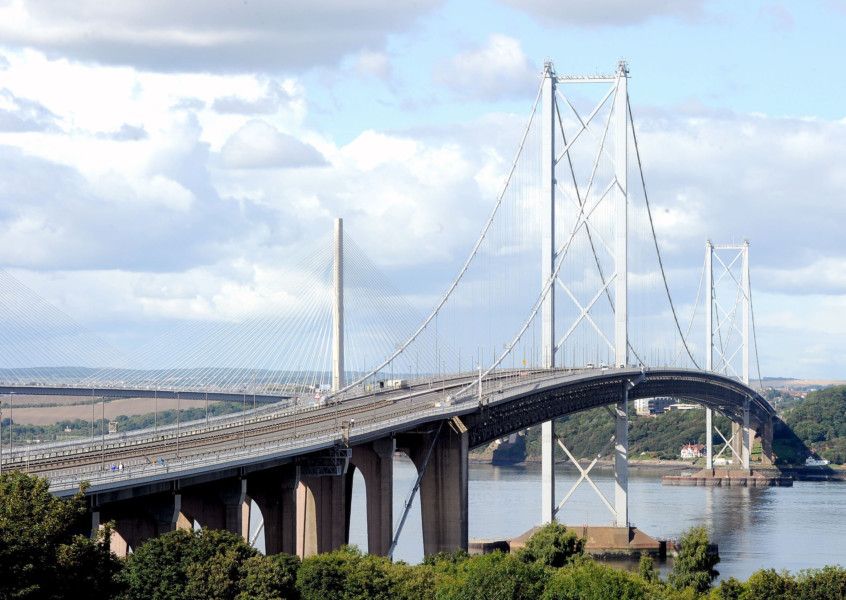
816 424
819 422
660 436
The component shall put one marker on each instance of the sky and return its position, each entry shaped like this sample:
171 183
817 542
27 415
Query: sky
160 160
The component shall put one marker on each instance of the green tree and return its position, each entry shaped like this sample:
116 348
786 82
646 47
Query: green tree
42 554
324 576
499 576
729 589
589 580
646 569
767 584
820 584
553 546
88 567
417 582
269 578
694 565
187 564
368 577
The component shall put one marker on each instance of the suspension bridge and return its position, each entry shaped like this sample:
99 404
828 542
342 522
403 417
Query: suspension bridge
337 371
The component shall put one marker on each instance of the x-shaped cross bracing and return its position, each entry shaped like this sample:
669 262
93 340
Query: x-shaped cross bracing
585 476
728 444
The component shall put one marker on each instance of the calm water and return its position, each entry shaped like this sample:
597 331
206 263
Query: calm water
783 528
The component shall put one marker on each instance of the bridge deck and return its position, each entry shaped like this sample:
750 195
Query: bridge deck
511 400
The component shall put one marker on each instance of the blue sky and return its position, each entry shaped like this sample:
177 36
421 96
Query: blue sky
159 162
779 59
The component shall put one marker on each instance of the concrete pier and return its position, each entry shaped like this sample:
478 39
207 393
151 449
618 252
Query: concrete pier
376 463
274 491
443 488
731 478
218 505
607 542
138 520
323 513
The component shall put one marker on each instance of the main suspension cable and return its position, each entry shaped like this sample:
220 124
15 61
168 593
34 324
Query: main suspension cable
655 239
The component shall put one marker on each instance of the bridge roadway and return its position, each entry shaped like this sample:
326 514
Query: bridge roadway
277 434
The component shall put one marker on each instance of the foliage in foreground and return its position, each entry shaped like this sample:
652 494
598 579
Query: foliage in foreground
45 554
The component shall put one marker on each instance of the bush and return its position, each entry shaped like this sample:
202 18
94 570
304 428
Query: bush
821 584
694 565
730 589
187 564
499 576
589 580
553 546
269 578
646 569
42 551
766 584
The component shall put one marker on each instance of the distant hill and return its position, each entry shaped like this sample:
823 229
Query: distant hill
819 422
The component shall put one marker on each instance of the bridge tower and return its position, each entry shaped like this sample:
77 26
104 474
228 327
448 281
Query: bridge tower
338 308
549 120
721 325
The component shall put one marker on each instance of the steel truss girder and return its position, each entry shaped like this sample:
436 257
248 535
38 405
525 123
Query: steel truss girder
726 396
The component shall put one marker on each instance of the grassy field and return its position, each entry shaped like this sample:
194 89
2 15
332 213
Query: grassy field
65 408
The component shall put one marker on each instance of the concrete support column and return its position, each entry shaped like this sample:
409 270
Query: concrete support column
139 520
236 508
746 440
766 435
219 505
443 488
621 461
709 439
274 491
95 523
376 463
323 506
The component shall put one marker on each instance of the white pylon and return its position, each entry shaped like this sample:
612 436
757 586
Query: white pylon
722 324
338 308
618 195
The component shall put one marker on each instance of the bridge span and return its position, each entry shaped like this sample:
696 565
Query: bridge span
296 463
294 455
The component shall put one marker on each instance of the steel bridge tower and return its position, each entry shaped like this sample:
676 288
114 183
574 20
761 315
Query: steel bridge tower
720 324
550 157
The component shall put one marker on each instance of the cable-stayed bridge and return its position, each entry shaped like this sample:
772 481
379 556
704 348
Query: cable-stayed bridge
336 369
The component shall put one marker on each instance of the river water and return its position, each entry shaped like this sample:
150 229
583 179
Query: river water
783 528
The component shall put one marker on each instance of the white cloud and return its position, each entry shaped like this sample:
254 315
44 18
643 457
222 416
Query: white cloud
259 145
498 69
373 64
608 12
215 35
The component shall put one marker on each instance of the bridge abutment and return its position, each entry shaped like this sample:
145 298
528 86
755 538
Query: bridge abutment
443 487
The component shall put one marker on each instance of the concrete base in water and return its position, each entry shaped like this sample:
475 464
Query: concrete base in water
601 542
731 478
